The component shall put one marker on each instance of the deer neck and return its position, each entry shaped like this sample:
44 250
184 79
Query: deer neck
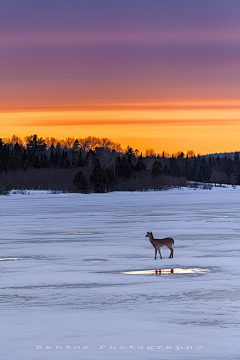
151 238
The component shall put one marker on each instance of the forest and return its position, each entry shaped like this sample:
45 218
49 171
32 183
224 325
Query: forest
100 165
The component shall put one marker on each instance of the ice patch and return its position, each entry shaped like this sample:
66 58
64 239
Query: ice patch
166 272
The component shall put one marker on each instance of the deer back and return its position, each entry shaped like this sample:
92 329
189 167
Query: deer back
163 242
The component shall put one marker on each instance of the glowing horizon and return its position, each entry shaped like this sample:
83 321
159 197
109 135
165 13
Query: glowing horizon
144 120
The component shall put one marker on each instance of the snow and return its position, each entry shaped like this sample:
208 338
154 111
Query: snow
65 288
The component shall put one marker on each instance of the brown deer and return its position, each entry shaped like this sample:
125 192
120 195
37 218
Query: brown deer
158 243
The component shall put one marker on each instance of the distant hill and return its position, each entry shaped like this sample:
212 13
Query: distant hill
221 155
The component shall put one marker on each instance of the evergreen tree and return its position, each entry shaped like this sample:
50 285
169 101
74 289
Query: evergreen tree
80 161
214 178
156 168
24 159
76 145
5 156
236 161
44 161
112 178
188 170
227 166
81 182
91 156
166 170
123 168
218 163
61 160
36 162
52 159
204 171
67 163
57 157
17 156
2 160
174 167
195 166
140 165
98 178
34 143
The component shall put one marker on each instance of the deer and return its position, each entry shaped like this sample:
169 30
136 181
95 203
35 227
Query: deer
158 243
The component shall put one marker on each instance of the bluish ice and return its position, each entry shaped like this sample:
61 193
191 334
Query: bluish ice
79 279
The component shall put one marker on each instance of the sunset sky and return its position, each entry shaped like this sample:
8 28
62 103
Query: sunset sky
161 74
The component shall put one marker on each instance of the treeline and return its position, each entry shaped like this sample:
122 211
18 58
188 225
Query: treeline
99 165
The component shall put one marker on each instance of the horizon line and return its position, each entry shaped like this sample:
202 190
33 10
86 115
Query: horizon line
9 139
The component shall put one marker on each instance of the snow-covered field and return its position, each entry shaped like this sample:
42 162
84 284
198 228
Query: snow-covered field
66 294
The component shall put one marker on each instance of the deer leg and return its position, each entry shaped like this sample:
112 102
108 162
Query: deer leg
160 253
171 251
155 254
171 254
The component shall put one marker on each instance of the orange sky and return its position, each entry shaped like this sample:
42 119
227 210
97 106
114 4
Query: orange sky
166 127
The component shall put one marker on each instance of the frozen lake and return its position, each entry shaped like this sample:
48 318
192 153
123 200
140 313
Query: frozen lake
79 279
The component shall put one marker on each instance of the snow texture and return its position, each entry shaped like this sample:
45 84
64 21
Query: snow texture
66 294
